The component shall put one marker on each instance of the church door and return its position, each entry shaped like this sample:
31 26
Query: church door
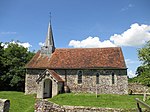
47 93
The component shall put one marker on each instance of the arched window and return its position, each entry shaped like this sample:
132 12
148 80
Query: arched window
97 78
113 78
79 77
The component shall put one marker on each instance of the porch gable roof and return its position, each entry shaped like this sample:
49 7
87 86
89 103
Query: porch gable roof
52 74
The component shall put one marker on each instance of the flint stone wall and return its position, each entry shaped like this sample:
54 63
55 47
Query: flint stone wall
4 105
88 84
137 88
30 81
46 106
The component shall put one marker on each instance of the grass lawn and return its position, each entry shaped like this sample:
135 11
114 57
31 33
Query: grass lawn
25 103
103 100
18 101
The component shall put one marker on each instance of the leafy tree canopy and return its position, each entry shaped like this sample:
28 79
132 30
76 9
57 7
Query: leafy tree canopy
143 71
14 59
144 54
1 58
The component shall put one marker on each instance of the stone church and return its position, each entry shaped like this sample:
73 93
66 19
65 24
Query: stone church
52 71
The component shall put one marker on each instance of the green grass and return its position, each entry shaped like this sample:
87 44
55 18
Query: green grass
18 101
103 100
25 103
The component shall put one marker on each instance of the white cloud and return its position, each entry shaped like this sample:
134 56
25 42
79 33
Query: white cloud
130 5
131 74
137 35
129 61
41 44
4 45
24 44
132 64
91 42
8 33
127 7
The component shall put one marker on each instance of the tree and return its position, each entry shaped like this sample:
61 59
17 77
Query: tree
143 71
144 78
1 57
15 57
1 62
144 55
139 70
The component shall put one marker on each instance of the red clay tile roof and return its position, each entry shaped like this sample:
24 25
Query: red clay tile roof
55 75
79 58
51 72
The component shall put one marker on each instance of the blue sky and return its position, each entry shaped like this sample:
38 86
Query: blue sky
79 23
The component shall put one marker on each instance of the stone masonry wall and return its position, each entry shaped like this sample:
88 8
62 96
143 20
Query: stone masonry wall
137 88
46 106
30 81
4 105
88 84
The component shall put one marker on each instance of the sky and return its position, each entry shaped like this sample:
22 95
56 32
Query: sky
78 24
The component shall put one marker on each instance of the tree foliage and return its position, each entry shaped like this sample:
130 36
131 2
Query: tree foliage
14 58
1 62
143 71
1 57
139 70
144 54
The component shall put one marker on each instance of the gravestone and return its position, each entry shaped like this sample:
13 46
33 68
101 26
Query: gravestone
4 105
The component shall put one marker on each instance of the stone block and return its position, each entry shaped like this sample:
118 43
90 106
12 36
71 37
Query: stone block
4 105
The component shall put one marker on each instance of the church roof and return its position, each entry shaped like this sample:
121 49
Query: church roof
80 58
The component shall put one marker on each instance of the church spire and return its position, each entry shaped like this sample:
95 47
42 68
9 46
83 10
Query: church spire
49 46
49 39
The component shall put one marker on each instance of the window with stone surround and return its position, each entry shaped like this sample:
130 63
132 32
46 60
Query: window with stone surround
113 78
97 78
79 77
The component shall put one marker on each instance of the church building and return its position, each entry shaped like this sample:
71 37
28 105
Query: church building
79 70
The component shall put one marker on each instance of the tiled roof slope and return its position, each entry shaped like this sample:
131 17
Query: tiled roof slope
56 76
53 73
79 58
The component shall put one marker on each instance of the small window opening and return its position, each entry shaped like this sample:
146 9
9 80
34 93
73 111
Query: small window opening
97 78
79 77
113 78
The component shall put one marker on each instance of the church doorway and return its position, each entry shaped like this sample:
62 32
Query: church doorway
47 91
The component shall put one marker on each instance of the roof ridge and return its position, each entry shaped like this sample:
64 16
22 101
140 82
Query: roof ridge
91 48
80 58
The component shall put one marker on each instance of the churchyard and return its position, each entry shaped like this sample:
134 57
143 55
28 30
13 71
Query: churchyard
25 103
